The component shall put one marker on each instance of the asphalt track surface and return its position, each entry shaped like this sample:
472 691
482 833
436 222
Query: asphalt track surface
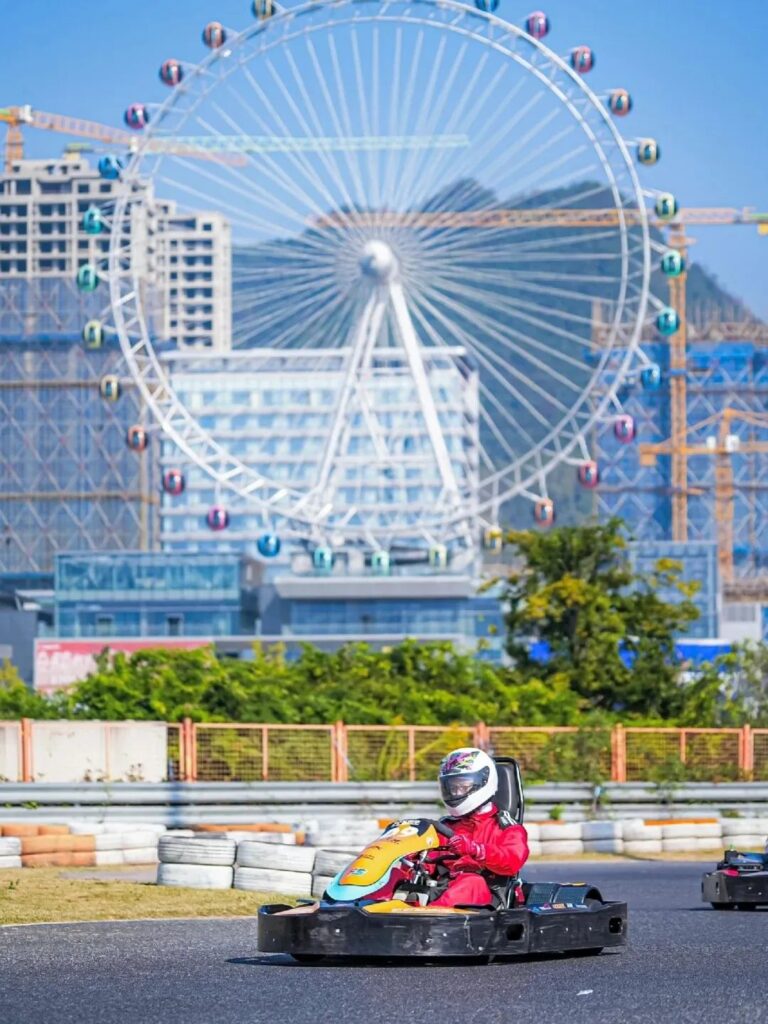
685 963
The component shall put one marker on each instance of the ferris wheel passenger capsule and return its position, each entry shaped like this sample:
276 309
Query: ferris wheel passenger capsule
217 518
537 24
93 334
493 539
268 545
624 429
93 221
380 563
650 377
667 321
109 388
214 35
620 102
322 559
544 512
137 438
171 72
87 278
648 152
672 263
666 206
110 166
582 59
173 482
136 116
487 5
589 474
263 9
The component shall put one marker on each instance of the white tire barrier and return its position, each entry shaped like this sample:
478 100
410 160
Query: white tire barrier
140 855
603 846
10 846
319 884
696 830
271 838
562 847
289 883
642 847
743 842
635 830
744 826
195 876
534 848
533 830
559 831
328 862
281 858
9 861
110 858
597 830
218 851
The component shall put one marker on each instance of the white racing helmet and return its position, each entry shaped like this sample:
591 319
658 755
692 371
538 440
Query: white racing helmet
468 778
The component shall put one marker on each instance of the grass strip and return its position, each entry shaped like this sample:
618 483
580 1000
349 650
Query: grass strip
44 896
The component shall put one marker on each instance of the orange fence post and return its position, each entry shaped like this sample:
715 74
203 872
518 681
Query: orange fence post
411 753
26 750
481 737
339 764
746 752
618 754
683 746
265 752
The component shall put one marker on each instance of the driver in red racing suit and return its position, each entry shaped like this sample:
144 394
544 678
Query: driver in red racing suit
468 781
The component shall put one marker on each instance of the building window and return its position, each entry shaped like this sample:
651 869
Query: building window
105 625
174 624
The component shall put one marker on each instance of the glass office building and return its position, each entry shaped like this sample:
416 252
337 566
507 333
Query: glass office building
149 594
274 411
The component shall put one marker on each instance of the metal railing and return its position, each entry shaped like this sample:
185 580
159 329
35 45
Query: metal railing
267 752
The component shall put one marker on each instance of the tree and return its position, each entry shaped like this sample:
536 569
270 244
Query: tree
605 630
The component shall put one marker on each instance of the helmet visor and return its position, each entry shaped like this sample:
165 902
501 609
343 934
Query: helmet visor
456 788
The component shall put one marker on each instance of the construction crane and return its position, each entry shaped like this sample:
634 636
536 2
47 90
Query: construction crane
17 118
721 446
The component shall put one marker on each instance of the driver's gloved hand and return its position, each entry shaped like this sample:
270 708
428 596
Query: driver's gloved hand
464 846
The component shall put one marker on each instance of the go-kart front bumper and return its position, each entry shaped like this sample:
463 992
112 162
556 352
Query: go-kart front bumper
348 930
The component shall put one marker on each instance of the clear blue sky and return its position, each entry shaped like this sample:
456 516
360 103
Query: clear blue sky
696 69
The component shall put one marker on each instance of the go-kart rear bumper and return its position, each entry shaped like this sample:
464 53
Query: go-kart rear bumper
718 887
336 930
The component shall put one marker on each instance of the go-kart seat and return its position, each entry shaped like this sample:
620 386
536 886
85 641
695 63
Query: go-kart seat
509 796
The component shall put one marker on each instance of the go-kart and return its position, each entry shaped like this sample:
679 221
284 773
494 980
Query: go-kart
740 881
351 920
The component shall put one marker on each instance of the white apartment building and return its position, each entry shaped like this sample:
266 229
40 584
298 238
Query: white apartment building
187 259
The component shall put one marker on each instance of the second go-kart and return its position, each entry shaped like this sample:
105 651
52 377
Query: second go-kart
740 881
524 918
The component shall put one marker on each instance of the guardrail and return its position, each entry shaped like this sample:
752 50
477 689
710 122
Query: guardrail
341 753
182 804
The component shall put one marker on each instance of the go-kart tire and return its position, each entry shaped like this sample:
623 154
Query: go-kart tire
10 846
173 850
586 952
279 858
195 876
723 906
308 958
746 906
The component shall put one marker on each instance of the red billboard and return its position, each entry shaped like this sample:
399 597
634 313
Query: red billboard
63 662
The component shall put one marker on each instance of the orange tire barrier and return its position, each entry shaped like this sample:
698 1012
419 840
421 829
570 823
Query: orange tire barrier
21 830
58 860
54 830
57 844
681 821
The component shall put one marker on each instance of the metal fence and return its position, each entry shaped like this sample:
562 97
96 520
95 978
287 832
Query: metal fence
263 752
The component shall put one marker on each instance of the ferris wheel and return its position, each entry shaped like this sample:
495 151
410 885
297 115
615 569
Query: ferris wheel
427 204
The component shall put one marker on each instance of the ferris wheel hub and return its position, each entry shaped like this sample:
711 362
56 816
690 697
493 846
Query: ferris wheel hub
378 261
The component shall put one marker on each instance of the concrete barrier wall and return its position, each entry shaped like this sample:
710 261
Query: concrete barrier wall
10 751
90 752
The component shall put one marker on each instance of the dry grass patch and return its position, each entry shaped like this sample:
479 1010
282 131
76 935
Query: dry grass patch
44 896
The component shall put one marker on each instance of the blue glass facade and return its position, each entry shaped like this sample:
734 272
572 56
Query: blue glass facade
138 594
